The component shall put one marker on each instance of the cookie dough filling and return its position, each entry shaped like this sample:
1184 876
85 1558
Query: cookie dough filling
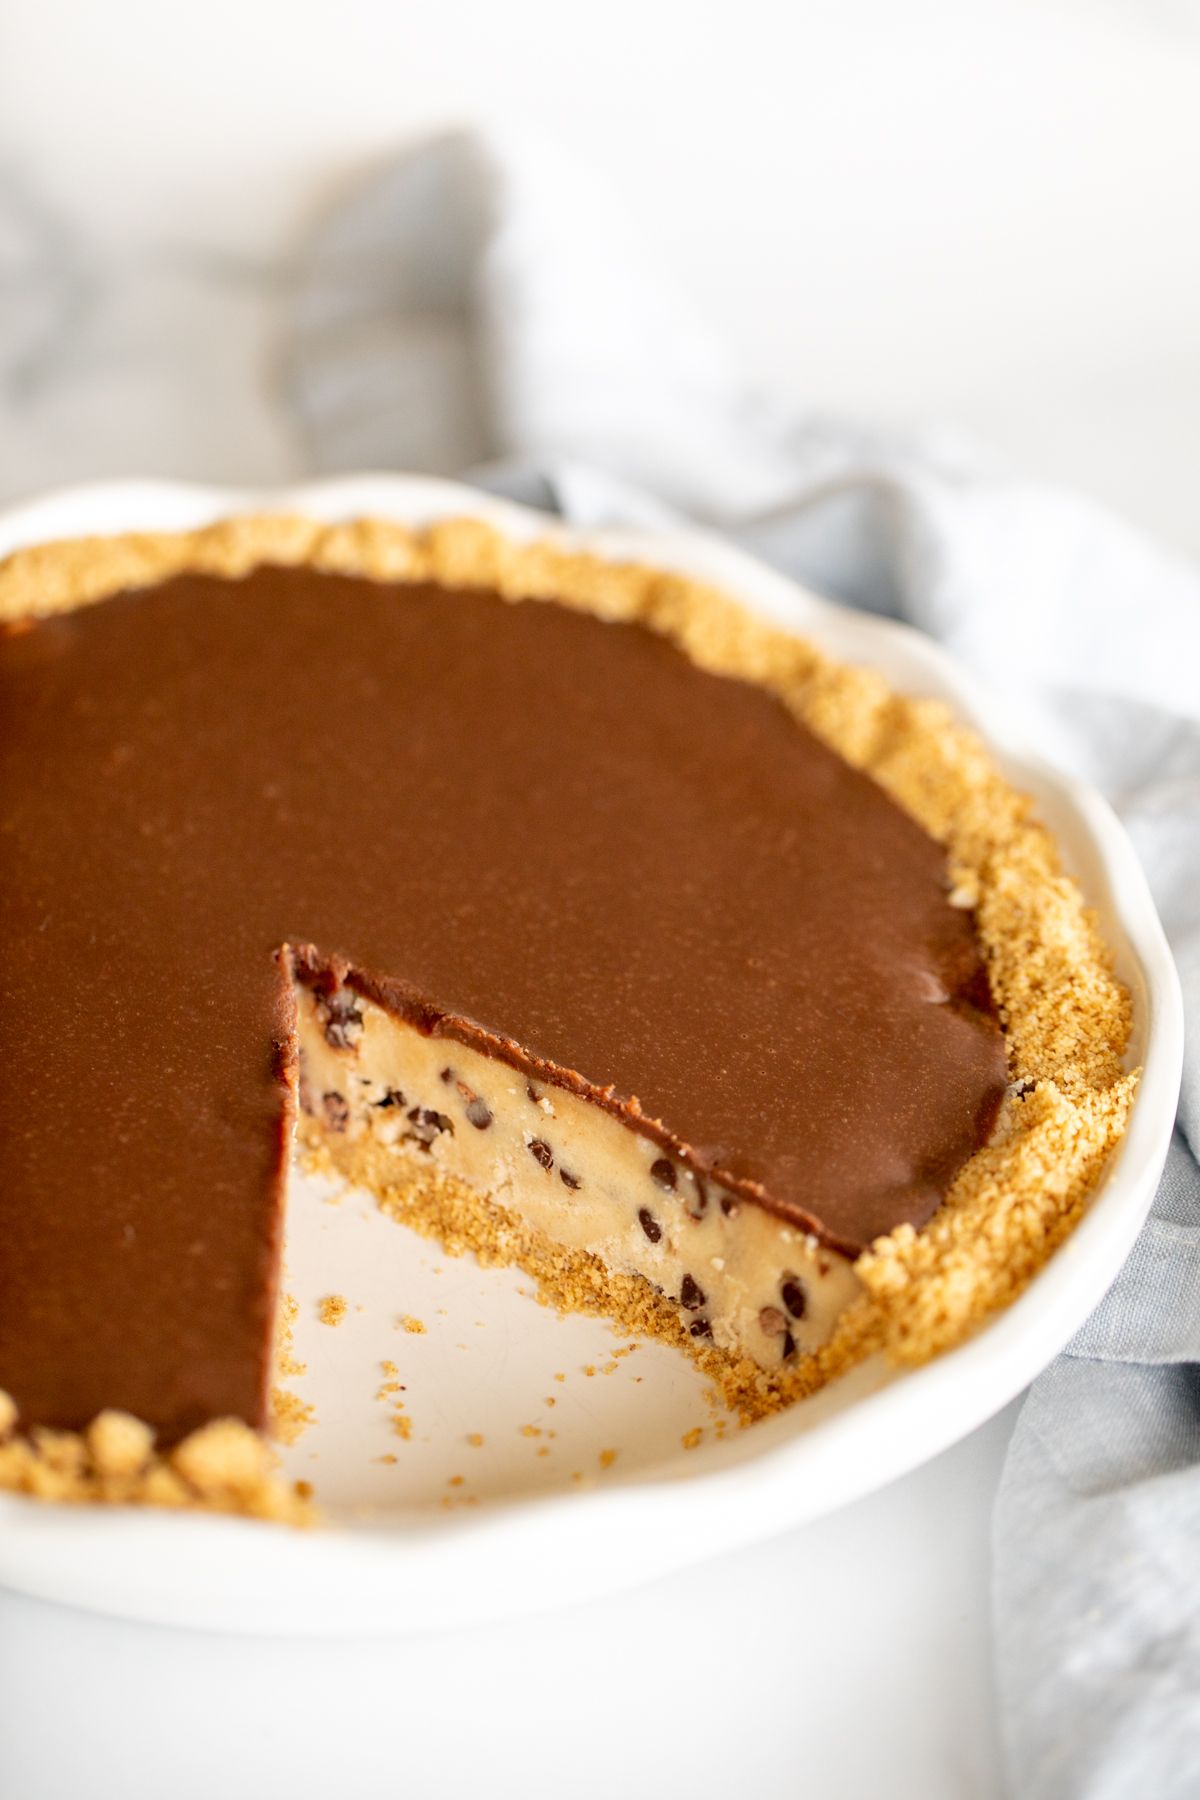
594 925
740 1277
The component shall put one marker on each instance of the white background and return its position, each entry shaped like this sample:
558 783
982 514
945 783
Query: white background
957 211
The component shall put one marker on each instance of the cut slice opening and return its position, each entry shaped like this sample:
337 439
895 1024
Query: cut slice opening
482 1157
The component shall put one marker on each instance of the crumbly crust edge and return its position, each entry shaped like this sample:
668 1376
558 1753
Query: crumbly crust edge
1067 1017
224 1467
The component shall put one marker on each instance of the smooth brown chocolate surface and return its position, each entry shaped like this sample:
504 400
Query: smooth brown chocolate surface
499 819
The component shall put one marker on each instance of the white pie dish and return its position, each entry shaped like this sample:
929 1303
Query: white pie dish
531 1540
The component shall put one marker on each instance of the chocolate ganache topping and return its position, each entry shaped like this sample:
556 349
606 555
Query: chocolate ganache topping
515 824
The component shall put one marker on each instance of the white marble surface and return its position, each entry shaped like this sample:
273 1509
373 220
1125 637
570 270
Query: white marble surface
984 215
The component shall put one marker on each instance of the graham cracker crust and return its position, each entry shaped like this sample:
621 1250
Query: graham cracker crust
1066 1016
224 1468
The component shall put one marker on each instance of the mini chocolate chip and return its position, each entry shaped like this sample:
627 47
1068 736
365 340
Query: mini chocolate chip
428 1124
697 1206
391 1097
700 1328
478 1113
772 1322
794 1297
663 1172
343 1018
447 1074
691 1294
336 1109
729 1206
649 1224
569 1180
541 1152
789 1345
532 1092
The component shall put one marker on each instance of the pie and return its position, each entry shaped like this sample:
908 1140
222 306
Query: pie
592 923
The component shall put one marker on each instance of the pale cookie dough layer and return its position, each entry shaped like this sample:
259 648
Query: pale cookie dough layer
737 1275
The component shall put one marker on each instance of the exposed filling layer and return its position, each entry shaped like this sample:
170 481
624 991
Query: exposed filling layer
742 1278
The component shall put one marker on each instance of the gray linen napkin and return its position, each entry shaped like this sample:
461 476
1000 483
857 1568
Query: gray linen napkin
481 305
